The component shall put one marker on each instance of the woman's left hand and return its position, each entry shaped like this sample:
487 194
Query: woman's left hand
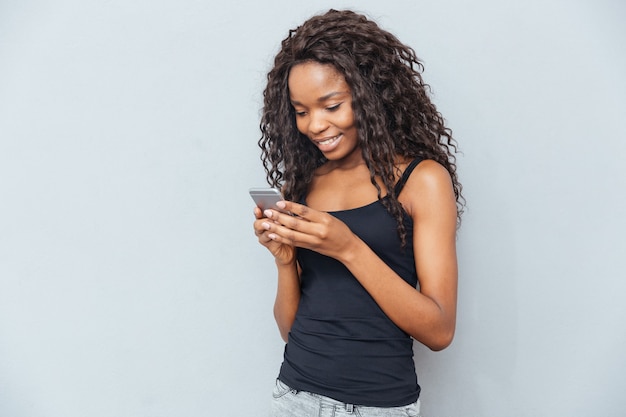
309 229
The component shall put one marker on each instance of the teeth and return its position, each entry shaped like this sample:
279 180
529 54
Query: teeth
328 141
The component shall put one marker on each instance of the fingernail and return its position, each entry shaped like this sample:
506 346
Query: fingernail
266 226
268 213
281 205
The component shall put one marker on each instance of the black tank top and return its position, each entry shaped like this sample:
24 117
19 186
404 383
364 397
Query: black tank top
342 345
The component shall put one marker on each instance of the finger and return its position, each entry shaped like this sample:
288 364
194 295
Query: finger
262 235
275 237
314 225
287 220
260 226
299 210
258 213
265 239
296 232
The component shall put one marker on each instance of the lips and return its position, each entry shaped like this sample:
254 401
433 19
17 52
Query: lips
328 144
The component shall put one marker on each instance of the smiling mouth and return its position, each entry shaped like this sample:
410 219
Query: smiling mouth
328 141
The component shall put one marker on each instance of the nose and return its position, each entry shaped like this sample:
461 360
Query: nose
317 123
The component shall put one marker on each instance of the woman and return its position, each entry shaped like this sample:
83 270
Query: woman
367 169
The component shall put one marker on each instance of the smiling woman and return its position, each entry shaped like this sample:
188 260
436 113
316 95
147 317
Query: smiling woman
367 167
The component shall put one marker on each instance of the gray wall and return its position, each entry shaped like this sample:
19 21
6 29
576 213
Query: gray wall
131 283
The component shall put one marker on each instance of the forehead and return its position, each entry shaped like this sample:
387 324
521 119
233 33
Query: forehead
311 78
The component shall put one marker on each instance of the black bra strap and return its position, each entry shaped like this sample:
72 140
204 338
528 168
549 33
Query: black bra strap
406 174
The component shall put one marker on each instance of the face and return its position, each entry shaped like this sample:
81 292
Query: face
323 103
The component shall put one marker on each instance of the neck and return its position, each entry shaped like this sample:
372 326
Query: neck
349 162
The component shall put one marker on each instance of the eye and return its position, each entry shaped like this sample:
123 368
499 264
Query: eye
298 110
334 107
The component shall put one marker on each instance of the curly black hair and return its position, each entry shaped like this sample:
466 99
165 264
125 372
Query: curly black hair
393 112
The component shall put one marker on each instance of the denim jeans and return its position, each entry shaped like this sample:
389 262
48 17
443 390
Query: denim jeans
288 402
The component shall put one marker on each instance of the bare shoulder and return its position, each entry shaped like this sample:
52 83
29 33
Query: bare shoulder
430 173
428 190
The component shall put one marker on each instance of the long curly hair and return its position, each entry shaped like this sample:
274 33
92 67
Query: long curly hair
393 113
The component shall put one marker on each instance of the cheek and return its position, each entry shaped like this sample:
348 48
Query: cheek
301 125
346 120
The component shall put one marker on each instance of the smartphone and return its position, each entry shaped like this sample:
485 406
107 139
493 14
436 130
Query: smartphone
266 197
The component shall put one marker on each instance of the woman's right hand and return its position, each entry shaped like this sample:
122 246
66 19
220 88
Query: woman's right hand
284 254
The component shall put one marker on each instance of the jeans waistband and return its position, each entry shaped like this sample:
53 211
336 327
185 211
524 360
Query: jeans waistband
327 401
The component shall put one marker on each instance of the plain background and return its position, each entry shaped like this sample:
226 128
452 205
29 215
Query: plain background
131 284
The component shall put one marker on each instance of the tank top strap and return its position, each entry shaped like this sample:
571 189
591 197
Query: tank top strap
406 174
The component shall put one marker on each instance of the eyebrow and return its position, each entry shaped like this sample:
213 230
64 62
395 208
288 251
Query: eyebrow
323 98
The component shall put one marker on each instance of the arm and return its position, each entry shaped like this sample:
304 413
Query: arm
288 287
428 315
287 297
